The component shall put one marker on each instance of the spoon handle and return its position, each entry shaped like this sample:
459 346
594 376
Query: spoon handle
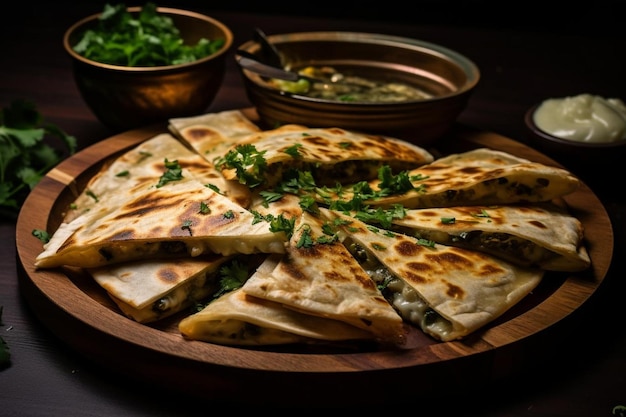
270 54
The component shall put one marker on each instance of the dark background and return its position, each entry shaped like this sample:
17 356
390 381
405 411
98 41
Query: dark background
592 17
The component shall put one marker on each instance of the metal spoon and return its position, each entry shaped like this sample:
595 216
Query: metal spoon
269 53
251 63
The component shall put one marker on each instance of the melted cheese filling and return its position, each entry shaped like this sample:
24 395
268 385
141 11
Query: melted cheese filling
223 246
405 300
176 300
504 245
232 331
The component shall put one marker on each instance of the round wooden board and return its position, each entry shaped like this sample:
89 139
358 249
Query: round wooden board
81 314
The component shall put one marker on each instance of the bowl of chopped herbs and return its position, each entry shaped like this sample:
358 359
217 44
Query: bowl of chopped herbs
136 66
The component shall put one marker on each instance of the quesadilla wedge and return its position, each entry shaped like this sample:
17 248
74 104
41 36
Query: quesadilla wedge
146 291
212 134
332 155
448 292
180 218
239 319
544 235
478 177
318 276
146 161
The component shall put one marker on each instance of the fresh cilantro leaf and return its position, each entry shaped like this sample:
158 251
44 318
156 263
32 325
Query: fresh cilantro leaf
294 150
145 40
26 154
173 172
187 226
232 276
41 235
204 208
281 223
305 240
249 164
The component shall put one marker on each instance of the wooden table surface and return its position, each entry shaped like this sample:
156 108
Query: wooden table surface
581 369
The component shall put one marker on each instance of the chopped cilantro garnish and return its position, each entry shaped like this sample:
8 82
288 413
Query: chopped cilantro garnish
309 204
92 195
294 150
214 188
270 196
173 172
204 208
187 226
483 213
393 184
426 242
41 235
281 223
382 216
249 164
305 240
232 276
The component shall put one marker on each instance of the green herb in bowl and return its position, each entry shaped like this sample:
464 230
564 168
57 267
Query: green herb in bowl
148 39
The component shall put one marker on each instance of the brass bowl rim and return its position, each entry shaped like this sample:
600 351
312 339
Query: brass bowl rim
228 41
469 68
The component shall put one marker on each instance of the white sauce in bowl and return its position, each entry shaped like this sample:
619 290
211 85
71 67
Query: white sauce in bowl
583 118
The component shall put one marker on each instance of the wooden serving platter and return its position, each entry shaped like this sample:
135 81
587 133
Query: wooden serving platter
80 313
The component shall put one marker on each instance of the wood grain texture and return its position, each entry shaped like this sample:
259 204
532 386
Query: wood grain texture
78 311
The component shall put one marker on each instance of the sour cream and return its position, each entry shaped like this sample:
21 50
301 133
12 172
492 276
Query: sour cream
583 118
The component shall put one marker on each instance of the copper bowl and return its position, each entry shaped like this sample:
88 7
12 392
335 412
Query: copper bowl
447 75
128 97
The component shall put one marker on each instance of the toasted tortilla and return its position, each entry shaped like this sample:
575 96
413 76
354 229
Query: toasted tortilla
146 161
181 218
448 292
477 177
237 318
212 134
539 235
323 279
151 290
332 155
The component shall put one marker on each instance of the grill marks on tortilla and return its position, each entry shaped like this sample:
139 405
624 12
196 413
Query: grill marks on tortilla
331 154
541 235
481 176
324 279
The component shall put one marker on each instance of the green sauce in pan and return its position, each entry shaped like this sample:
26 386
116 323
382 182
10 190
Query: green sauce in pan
349 88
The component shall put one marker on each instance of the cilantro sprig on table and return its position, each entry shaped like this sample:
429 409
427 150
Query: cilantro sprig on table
147 39
25 156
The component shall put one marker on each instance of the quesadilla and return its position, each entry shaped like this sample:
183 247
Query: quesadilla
331 155
540 235
237 318
146 291
180 218
212 134
448 292
318 276
478 177
146 160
